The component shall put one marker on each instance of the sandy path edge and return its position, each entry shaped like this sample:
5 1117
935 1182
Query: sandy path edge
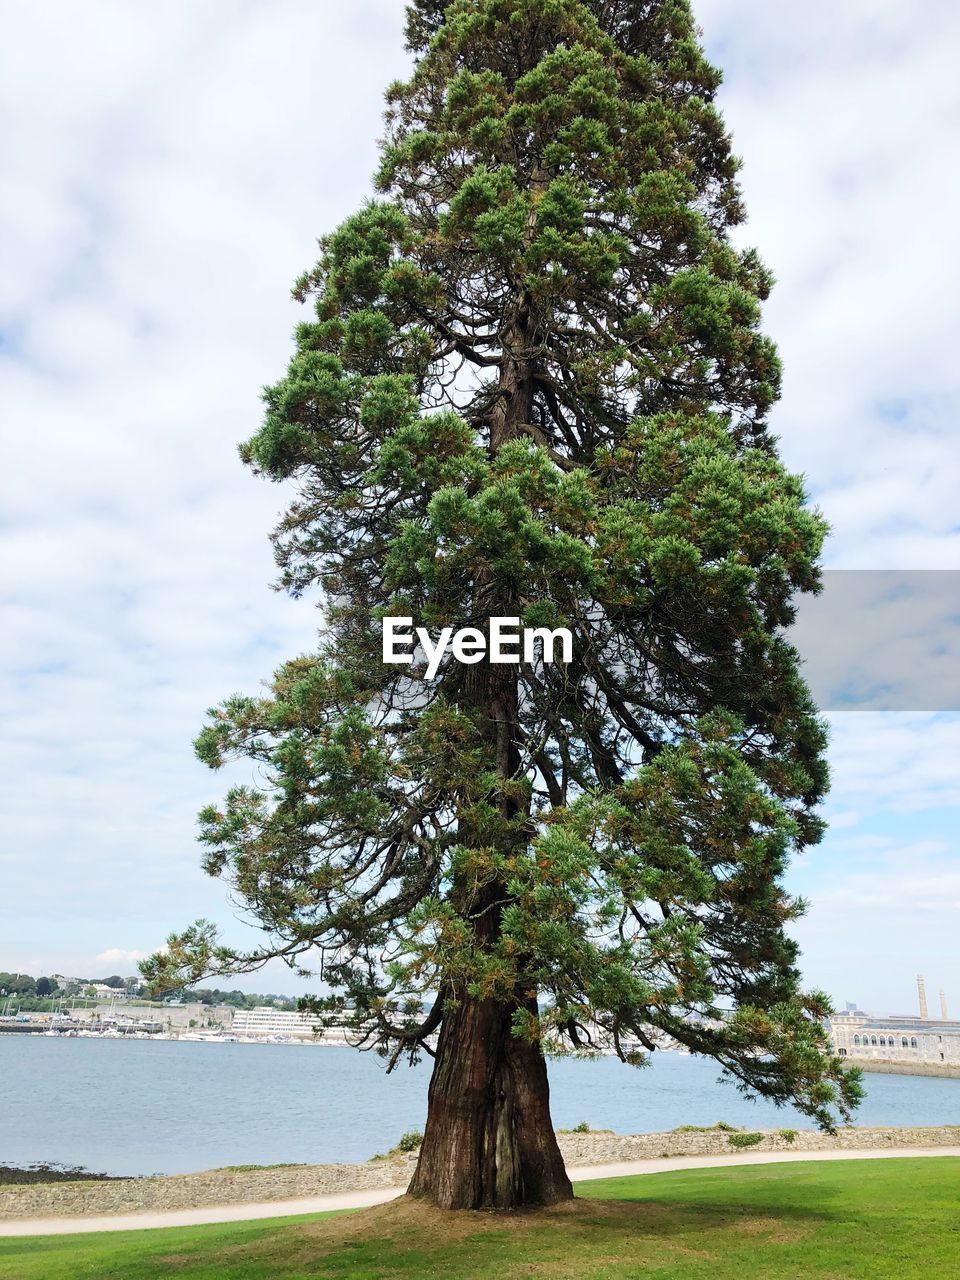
380 1195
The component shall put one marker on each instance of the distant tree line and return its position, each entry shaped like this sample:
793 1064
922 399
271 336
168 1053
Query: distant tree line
238 999
35 993
21 984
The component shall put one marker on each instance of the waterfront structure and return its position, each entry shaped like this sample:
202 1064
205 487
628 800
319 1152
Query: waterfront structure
174 1017
898 1038
264 1022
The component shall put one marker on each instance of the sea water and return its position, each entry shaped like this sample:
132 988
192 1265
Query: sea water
140 1106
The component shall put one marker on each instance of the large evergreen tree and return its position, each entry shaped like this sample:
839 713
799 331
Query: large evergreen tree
534 386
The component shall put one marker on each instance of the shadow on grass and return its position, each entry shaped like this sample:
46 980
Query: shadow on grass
407 1238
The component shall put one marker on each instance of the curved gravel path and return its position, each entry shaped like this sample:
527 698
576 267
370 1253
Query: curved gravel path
380 1195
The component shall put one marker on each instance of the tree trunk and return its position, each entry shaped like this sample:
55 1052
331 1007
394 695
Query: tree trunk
489 1141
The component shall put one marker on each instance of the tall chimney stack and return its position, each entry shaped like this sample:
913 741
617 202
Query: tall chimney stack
943 1008
922 993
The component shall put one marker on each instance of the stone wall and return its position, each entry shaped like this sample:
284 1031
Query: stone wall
194 1190
172 1016
606 1147
292 1182
950 1070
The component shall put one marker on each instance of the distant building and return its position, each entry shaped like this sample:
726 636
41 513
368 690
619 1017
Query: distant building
860 1035
902 1039
264 1021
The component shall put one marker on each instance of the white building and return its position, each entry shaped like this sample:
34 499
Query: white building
264 1021
864 1037
104 992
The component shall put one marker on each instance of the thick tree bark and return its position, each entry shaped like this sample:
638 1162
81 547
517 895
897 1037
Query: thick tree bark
489 1141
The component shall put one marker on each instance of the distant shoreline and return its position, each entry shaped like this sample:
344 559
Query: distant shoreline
889 1067
879 1066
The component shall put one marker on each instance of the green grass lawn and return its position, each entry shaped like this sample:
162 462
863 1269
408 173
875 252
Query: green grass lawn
837 1219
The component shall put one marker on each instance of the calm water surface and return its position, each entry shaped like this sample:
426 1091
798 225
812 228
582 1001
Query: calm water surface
173 1107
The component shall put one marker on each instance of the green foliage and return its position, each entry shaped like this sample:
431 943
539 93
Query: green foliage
18 984
238 999
788 1135
409 1142
44 1172
44 995
720 1127
534 385
744 1140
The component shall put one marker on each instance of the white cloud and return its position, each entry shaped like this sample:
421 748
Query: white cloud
845 116
165 178
885 912
904 763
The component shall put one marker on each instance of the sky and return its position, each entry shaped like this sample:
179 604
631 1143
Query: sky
167 171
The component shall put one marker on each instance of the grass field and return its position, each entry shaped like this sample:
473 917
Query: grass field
824 1219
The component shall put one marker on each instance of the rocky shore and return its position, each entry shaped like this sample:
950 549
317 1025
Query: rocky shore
290 1182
